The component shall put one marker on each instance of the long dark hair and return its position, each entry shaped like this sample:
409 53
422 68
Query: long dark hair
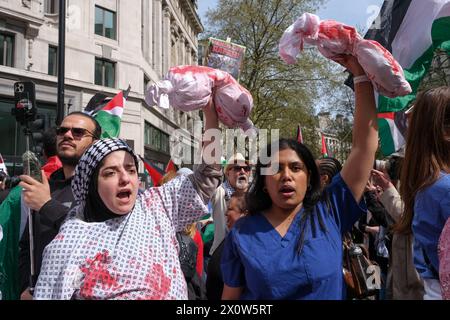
259 201
427 151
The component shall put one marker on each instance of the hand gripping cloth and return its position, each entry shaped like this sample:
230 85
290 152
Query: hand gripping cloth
189 88
333 38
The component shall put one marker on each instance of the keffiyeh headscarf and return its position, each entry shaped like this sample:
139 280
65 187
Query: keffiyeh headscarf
229 190
84 183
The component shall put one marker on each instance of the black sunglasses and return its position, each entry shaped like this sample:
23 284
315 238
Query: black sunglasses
239 168
77 133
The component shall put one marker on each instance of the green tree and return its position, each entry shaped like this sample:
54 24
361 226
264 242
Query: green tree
284 96
439 72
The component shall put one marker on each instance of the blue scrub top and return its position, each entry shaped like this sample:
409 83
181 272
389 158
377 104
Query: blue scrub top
268 266
431 211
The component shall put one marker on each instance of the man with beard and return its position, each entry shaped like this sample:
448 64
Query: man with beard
237 172
52 199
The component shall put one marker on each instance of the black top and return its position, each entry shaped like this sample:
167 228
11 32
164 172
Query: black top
214 280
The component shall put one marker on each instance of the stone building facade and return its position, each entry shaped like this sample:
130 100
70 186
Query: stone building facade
336 131
110 44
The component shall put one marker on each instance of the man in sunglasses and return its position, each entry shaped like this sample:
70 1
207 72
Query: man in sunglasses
52 199
237 173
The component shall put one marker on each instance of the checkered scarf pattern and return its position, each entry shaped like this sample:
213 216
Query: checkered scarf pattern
89 162
229 190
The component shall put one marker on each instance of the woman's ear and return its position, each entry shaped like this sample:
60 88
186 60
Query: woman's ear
323 180
447 134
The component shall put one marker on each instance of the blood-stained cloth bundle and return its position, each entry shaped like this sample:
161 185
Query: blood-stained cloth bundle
189 88
333 38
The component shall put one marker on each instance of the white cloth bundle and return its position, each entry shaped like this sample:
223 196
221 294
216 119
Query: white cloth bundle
333 39
189 88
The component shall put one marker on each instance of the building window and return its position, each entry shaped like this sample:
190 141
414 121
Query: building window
165 143
52 60
6 50
105 73
51 6
156 139
105 23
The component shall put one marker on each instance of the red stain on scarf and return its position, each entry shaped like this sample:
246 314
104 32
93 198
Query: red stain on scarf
95 274
158 283
59 237
148 202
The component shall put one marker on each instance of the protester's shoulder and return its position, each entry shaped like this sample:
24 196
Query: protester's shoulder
171 187
443 182
247 223
441 187
337 184
58 175
219 192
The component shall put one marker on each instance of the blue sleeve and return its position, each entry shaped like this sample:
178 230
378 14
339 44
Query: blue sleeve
346 210
230 263
445 206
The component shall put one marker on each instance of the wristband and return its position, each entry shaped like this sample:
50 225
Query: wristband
360 79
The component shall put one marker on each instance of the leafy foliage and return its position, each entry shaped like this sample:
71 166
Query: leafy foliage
284 96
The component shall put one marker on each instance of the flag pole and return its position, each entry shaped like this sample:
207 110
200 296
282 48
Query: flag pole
61 61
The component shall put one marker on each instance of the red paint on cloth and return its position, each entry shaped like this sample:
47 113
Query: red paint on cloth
59 237
96 273
158 283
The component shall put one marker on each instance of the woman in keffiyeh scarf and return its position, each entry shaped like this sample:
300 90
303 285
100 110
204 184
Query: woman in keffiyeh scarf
118 244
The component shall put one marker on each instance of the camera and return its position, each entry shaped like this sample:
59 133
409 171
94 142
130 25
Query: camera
2 176
381 165
391 166
9 182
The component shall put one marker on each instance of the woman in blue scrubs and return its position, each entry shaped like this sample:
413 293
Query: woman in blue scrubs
425 183
290 244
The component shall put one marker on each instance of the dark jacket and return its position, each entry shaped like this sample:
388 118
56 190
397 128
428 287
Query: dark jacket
188 260
214 279
380 217
46 225
3 195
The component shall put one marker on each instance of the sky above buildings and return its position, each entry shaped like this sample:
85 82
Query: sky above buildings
359 13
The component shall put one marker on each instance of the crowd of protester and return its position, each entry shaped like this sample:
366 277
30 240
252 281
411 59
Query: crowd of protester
97 235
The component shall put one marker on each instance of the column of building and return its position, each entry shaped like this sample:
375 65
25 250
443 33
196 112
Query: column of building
157 37
166 39
147 30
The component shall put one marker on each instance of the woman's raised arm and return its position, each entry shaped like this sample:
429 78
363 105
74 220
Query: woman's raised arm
208 175
356 170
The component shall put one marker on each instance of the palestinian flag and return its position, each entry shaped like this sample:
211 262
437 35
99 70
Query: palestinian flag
299 134
412 30
170 166
324 147
156 174
108 112
392 130
10 221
